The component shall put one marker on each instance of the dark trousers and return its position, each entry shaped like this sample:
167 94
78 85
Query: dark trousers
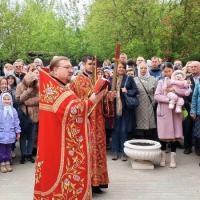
108 136
27 141
150 134
5 152
119 135
197 144
164 146
187 132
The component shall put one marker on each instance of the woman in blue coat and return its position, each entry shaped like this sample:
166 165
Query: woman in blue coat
124 120
9 131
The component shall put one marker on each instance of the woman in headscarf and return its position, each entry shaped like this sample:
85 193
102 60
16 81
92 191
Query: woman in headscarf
145 116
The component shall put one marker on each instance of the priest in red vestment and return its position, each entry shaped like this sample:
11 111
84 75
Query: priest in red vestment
63 170
82 86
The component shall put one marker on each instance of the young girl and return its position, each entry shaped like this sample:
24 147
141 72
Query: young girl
5 86
9 131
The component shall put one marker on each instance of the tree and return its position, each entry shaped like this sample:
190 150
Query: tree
35 27
163 28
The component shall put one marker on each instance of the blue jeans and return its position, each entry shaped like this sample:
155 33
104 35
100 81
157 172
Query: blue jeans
27 141
119 135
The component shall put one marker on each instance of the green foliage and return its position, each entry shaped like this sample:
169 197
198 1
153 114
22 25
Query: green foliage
35 28
164 28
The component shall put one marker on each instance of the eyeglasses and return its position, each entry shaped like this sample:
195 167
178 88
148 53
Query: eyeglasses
18 66
66 67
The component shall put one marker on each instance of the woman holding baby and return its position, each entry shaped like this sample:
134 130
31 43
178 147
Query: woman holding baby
168 94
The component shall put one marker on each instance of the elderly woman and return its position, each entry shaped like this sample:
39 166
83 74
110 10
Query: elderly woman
8 69
169 122
124 117
145 116
38 62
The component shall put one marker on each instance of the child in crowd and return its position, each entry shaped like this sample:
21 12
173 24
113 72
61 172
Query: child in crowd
177 81
9 131
5 86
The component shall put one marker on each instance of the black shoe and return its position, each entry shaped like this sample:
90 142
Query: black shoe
187 151
96 190
30 158
22 160
115 156
104 186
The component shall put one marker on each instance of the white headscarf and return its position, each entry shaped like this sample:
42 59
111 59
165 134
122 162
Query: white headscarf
147 75
7 109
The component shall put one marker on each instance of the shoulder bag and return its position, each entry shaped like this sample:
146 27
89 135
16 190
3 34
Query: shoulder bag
131 101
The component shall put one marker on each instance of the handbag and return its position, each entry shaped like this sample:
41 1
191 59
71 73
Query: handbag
131 101
25 121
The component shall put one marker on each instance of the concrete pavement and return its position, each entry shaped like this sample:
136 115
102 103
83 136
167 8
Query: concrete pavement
182 183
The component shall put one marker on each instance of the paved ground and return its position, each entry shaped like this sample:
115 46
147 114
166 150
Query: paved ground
182 183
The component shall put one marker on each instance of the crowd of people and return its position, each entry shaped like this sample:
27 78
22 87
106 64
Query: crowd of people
19 88
168 109
149 99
